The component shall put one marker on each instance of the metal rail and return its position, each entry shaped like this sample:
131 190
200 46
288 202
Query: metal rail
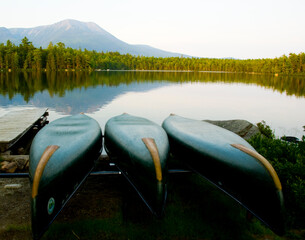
96 173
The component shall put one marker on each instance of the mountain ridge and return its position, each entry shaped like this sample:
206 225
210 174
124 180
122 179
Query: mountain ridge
77 34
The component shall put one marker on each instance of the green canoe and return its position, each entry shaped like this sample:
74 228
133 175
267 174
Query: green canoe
230 163
140 149
62 155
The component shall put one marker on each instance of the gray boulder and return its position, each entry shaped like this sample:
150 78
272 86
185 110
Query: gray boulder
242 128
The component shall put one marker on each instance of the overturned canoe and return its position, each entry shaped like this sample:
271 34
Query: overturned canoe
62 155
140 149
230 163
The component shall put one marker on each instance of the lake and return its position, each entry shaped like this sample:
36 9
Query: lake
279 101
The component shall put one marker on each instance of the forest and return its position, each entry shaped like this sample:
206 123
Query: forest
58 57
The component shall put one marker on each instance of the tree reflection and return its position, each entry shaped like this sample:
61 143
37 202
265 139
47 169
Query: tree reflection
57 83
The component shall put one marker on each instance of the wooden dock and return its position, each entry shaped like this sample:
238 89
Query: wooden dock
14 125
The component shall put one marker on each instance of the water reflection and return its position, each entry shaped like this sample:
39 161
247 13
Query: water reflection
70 93
218 96
59 83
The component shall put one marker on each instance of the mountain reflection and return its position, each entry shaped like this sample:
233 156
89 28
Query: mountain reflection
73 92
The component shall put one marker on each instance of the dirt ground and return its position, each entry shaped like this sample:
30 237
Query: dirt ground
14 203
15 211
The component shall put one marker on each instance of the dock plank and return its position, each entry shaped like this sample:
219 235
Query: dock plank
15 124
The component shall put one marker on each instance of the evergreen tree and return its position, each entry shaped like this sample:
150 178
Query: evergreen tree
37 60
51 64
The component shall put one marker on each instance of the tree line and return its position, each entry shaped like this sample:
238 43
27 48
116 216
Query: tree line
58 57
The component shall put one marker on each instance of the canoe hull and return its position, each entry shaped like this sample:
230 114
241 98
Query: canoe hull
231 164
56 175
125 143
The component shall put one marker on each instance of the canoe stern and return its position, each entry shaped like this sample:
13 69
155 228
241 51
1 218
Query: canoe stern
140 149
57 171
231 164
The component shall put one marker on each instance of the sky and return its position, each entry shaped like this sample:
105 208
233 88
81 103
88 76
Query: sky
202 28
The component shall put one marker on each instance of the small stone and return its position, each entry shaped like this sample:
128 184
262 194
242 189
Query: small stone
13 186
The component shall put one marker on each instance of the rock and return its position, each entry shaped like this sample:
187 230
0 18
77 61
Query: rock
13 186
8 167
290 139
11 158
8 152
242 128
20 160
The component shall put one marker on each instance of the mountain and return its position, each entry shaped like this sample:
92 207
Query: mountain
76 34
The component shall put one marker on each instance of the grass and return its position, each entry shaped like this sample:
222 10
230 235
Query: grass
16 232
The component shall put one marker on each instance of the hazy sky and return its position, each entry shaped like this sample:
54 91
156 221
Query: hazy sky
203 28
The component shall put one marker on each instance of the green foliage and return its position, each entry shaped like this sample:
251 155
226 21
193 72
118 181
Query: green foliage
288 159
265 130
59 57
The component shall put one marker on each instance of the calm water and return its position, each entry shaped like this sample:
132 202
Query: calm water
280 101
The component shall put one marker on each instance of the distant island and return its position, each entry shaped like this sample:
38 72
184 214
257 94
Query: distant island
58 57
